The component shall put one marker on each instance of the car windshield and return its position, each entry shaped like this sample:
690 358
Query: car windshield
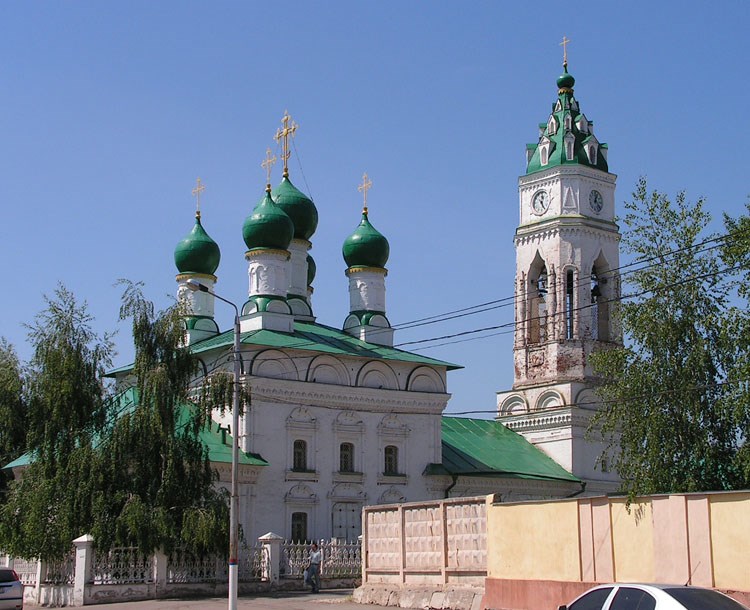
7 575
703 599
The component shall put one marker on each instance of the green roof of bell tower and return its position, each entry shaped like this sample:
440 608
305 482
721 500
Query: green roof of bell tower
566 126
366 247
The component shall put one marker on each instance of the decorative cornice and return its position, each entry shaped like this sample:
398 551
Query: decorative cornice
344 397
265 251
567 225
353 270
567 170
182 277
552 419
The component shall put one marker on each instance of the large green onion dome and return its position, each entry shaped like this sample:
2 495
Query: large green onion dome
268 226
298 206
312 269
366 247
197 252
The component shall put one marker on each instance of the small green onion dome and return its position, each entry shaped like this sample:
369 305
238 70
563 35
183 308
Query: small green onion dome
298 206
366 247
197 252
312 269
565 80
268 226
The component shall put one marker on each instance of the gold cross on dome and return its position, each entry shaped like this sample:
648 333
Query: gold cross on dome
283 135
363 188
564 45
267 164
199 188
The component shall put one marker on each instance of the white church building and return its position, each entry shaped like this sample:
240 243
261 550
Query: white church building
339 418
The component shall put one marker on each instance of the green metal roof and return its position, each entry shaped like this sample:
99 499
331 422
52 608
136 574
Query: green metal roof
219 446
482 447
309 336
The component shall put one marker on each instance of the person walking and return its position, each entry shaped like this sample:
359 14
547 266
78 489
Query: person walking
316 560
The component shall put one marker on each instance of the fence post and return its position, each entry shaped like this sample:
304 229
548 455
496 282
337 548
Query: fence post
160 572
84 557
272 551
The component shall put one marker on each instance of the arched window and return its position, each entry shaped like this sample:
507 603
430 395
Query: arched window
599 307
299 527
299 455
538 309
346 457
391 460
569 304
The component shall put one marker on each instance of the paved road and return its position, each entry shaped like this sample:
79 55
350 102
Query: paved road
284 600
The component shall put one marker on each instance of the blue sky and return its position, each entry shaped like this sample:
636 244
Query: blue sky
110 110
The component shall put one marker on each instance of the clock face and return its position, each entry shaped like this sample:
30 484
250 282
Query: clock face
540 202
596 201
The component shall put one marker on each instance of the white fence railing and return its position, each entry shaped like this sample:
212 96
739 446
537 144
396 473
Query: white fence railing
76 579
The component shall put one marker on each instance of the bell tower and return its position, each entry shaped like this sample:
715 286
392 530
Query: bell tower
567 261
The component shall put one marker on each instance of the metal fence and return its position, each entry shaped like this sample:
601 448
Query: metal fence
340 559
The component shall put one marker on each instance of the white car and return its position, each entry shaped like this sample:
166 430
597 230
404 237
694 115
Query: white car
11 590
652 597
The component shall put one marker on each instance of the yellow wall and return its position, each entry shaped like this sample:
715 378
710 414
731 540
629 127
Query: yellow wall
730 540
698 538
525 540
632 541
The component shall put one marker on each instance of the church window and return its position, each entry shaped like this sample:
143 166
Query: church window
346 457
299 455
568 122
543 154
599 307
569 304
538 310
592 155
569 147
391 460
299 527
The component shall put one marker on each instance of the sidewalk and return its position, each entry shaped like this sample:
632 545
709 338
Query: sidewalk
339 599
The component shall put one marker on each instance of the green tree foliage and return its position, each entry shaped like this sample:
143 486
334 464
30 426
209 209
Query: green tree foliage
66 406
129 473
736 255
665 397
12 408
156 483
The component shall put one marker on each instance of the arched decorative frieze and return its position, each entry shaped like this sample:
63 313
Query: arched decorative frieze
352 492
425 379
327 369
391 496
587 399
348 421
378 375
301 494
301 418
392 426
549 400
515 404
274 364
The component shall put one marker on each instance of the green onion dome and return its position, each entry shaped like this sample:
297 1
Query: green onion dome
197 252
565 80
366 247
268 226
298 206
312 269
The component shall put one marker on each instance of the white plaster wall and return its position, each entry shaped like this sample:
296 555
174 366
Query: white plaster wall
367 290
298 267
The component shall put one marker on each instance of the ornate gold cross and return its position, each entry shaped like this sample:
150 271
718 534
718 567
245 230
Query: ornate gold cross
267 164
363 188
283 136
564 45
199 188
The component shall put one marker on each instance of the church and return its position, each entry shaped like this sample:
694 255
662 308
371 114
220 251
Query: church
339 418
